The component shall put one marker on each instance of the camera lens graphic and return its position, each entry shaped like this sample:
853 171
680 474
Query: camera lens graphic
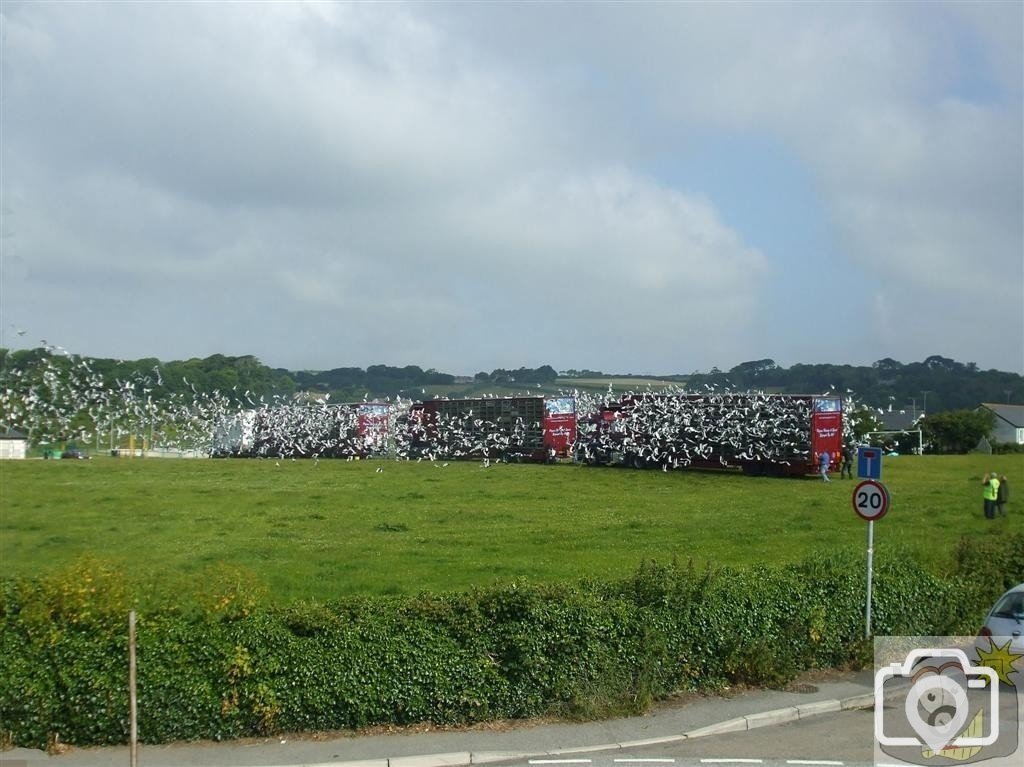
941 716
944 706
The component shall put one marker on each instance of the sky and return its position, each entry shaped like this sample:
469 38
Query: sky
657 188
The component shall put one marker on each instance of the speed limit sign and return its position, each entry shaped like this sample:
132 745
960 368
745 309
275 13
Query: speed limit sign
870 500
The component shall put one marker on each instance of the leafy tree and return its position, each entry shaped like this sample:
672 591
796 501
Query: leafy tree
937 362
957 431
546 374
863 421
888 366
754 374
524 376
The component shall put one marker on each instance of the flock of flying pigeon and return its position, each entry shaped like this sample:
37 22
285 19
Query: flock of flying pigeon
55 404
676 429
465 436
61 399
289 430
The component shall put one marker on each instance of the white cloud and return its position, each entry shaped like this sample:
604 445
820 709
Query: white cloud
371 168
612 222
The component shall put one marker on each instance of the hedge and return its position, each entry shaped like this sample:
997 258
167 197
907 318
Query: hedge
235 668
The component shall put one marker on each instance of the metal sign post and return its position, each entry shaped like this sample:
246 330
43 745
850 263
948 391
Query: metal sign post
870 502
871 556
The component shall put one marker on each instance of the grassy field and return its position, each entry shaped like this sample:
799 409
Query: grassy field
621 384
321 530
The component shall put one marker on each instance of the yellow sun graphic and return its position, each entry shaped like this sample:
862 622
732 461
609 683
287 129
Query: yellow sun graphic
1000 659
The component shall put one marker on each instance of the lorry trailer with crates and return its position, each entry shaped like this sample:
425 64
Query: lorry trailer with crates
351 430
530 428
762 434
758 433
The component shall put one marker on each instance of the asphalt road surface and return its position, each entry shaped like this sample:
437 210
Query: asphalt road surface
843 739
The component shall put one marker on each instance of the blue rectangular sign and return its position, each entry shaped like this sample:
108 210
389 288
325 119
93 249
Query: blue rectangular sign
869 462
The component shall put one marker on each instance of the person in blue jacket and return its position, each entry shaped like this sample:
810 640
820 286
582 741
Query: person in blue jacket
823 463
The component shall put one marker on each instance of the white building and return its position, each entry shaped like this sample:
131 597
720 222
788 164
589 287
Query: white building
13 445
1009 422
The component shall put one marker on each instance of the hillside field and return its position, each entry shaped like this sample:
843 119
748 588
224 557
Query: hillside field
562 385
306 529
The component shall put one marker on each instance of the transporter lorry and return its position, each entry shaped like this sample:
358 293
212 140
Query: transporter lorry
530 428
353 430
774 434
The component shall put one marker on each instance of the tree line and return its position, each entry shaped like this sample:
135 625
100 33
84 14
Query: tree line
935 385
245 378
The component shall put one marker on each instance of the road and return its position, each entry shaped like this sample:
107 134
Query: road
844 738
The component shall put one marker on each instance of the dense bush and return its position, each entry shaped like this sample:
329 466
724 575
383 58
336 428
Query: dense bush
230 668
992 565
1007 448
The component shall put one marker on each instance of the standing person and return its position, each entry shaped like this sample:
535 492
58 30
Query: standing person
989 494
823 461
1002 496
846 469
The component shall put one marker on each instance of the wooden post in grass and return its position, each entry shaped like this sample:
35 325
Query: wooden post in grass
133 738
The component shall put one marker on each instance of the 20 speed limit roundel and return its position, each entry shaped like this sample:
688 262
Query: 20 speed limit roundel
870 500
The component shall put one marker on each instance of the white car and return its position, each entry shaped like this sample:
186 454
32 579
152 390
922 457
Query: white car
1006 619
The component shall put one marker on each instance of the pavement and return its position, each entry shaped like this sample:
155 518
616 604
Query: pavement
691 717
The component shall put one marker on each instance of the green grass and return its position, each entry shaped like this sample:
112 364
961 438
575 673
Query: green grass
333 528
600 385
620 383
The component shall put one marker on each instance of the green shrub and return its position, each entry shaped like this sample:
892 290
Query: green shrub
1007 448
995 564
228 667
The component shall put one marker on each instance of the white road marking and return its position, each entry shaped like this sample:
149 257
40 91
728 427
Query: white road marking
732 761
560 761
813 761
646 761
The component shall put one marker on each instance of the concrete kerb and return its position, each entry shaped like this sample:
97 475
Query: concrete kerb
584 749
454 759
489 757
859 701
737 724
820 707
768 718
781 716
